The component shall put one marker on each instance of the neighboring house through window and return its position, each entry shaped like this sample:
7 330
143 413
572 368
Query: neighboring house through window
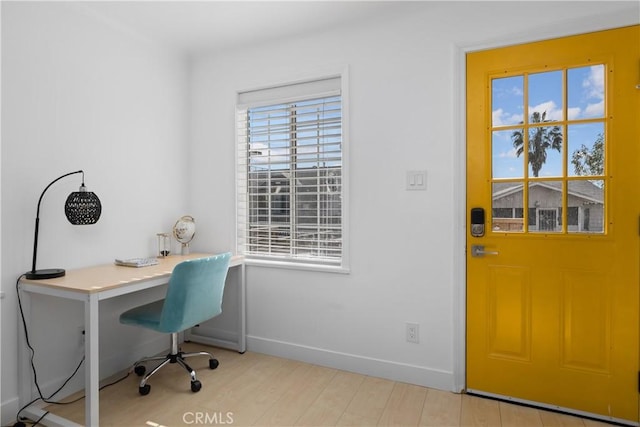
584 198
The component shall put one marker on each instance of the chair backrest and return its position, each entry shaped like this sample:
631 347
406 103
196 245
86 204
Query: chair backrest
194 293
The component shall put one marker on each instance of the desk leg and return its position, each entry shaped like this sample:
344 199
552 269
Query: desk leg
92 358
242 311
25 380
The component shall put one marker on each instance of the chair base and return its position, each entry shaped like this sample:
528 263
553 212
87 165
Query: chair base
174 356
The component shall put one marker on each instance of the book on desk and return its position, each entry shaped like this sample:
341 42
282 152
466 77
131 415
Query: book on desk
136 262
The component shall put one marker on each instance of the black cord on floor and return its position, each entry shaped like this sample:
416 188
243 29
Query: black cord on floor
20 420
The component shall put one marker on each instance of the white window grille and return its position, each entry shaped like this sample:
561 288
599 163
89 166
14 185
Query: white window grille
290 173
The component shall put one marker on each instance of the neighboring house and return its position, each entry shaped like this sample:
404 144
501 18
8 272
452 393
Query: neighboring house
584 206
300 222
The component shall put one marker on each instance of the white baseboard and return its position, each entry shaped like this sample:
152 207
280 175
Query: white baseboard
8 409
395 371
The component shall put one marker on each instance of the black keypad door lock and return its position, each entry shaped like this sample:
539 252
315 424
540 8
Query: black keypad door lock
477 222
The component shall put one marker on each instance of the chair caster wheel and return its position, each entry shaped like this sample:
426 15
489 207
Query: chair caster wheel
139 370
196 386
19 424
213 363
144 390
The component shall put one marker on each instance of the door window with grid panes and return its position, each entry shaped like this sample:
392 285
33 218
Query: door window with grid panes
548 151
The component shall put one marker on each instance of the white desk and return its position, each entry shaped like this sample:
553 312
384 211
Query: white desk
91 285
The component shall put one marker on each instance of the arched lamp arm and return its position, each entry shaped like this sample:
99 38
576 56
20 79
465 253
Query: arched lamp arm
35 238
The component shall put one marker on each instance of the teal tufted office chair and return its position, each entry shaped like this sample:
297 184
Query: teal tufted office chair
193 296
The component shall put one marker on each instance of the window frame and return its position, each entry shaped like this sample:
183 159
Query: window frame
284 261
527 127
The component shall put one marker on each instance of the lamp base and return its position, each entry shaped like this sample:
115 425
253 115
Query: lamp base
47 273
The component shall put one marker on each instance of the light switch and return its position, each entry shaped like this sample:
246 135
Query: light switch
416 180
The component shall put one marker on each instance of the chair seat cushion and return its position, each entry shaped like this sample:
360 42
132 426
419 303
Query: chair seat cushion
147 316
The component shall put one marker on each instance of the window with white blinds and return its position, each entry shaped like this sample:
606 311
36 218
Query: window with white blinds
290 160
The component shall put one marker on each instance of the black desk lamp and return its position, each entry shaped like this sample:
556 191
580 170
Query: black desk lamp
82 207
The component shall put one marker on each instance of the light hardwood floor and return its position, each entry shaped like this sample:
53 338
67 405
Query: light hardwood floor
256 389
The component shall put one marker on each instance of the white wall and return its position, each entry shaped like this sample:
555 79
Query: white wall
405 73
80 93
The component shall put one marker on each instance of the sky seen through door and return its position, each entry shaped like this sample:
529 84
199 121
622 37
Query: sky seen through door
585 105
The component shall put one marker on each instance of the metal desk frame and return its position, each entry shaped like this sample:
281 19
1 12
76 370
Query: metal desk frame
92 285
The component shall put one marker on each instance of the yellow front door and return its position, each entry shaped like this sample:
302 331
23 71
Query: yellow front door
553 179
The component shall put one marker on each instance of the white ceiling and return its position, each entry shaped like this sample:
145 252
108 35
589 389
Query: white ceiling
192 26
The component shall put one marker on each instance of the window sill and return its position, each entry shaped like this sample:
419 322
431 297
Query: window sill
296 265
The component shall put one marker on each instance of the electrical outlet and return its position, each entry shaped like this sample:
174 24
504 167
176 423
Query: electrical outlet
413 333
81 336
